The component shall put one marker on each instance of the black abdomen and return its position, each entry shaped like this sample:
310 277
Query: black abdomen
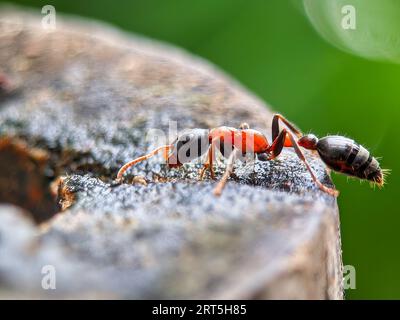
346 156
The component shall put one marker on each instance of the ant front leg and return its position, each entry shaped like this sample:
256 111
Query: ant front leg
228 171
210 160
140 159
276 149
245 126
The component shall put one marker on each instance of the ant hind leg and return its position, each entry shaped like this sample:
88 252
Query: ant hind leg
276 149
291 126
300 154
277 145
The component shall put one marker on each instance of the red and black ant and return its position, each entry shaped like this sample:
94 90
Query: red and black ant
338 153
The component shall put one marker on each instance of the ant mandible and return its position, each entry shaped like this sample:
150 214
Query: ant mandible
339 153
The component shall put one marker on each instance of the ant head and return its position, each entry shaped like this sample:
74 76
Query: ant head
189 145
309 141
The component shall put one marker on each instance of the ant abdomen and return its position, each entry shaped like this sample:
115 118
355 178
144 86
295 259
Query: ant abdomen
346 156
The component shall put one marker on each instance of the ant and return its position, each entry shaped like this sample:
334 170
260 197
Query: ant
339 153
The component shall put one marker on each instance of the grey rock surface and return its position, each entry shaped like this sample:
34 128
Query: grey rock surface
82 102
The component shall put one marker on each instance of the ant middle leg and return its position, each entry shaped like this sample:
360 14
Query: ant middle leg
228 171
126 166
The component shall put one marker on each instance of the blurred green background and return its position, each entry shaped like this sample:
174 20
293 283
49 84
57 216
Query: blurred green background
271 47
